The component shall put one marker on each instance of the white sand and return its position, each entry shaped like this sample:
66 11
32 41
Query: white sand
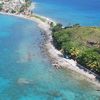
56 55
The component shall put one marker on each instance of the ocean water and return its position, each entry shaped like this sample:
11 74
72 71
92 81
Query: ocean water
68 12
27 74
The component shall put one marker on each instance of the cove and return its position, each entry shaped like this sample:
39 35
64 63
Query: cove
26 72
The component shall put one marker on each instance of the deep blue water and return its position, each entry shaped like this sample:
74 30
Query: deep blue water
27 74
68 12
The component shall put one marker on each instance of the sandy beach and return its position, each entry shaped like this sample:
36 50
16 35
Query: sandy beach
57 57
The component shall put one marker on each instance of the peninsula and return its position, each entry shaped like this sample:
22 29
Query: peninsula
61 39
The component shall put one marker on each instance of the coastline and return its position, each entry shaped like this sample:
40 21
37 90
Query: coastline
55 55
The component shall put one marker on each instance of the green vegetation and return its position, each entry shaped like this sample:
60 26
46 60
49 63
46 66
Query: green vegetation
28 3
38 17
25 6
79 43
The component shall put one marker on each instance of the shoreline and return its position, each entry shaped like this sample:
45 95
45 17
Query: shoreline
54 54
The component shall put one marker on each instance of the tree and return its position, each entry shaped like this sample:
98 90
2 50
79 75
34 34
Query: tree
90 59
57 28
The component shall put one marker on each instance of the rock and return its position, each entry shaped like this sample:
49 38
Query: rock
23 81
54 93
97 90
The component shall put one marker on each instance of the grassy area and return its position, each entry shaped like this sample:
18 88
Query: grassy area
38 17
79 43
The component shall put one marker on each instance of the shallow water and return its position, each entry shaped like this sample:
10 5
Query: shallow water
68 12
27 74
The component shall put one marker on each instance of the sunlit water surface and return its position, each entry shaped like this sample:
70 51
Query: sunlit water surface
27 74
68 12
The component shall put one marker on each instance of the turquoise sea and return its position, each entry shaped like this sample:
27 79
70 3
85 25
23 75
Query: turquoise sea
27 74
68 12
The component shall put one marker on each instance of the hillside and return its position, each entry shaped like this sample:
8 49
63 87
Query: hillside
79 43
